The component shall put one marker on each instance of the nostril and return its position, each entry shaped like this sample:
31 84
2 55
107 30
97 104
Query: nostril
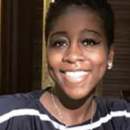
62 71
71 58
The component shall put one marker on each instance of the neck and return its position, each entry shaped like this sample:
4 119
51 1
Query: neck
75 111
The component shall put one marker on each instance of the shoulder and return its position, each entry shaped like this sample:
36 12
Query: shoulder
16 108
10 102
113 104
116 111
17 101
115 108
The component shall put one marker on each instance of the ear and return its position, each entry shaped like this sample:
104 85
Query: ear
111 57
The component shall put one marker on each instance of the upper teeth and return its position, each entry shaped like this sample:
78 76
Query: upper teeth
76 73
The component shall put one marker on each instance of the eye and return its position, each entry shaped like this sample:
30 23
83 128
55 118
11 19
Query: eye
58 44
90 42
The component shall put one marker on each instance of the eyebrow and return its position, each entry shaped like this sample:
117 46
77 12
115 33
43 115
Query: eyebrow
59 33
90 31
82 31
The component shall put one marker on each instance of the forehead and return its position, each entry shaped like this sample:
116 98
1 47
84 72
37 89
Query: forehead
78 19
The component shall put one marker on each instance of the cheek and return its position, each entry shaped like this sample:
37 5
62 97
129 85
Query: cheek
99 63
99 60
54 59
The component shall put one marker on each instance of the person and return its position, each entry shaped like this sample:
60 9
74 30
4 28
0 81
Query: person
79 40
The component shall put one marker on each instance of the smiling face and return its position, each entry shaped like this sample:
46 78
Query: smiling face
77 52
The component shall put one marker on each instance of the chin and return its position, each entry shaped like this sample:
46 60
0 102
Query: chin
77 97
77 94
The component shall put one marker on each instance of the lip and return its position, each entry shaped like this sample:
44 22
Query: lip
75 70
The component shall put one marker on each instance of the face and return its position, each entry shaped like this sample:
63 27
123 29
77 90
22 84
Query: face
77 52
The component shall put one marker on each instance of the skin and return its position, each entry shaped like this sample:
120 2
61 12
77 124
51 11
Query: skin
70 49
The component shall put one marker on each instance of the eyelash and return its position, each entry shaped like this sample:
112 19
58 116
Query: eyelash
59 44
90 42
62 43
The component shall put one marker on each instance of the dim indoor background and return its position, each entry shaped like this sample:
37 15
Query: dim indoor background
22 48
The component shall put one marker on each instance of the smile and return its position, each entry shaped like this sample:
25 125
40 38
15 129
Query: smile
76 73
76 76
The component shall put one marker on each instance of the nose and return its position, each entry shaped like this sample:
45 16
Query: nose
74 54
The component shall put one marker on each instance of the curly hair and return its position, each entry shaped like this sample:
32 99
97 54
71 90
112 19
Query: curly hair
101 7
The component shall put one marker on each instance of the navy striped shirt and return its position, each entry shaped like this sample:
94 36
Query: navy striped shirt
25 112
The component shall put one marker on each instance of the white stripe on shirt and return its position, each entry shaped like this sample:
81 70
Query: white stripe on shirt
44 117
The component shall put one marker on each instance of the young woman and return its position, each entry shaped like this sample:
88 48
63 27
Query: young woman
79 37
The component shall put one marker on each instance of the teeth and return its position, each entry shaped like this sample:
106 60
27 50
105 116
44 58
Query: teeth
76 73
76 76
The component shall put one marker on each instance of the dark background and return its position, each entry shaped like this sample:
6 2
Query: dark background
22 48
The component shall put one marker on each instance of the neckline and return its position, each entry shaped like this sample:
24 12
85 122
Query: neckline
87 122
44 108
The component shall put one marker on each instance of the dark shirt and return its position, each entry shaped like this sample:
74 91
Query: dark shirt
25 112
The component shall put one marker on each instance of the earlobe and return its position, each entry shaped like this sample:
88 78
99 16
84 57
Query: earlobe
110 65
111 57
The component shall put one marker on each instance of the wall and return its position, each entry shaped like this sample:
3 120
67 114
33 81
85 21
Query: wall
22 47
119 77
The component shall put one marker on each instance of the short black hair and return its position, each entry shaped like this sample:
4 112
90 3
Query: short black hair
101 7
